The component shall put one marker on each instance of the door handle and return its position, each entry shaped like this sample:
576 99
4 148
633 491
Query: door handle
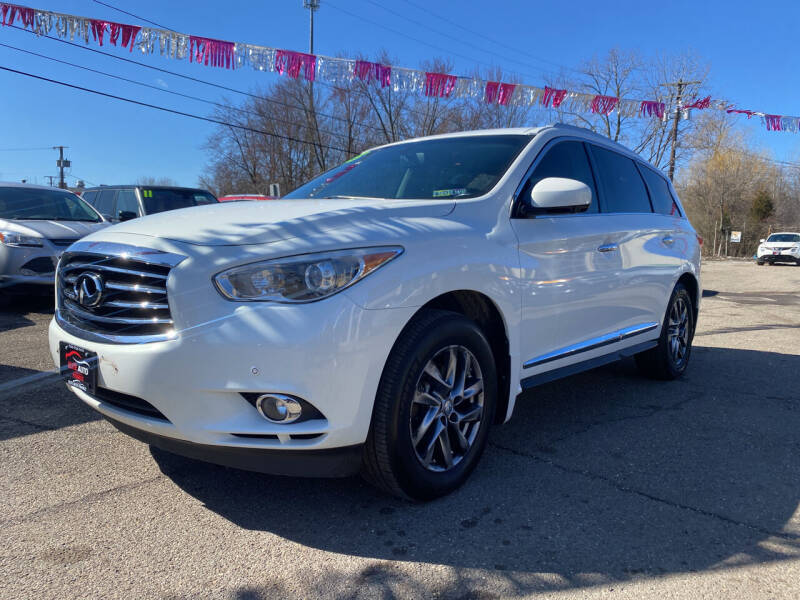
668 240
608 248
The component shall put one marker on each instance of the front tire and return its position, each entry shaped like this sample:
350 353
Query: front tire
435 404
670 358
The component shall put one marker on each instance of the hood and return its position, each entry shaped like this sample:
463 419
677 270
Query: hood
241 223
778 244
53 230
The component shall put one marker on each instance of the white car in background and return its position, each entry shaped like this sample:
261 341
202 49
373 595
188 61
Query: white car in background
779 247
37 224
384 316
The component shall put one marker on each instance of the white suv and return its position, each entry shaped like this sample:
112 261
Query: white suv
779 247
384 316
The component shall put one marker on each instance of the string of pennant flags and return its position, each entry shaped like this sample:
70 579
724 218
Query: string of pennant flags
211 52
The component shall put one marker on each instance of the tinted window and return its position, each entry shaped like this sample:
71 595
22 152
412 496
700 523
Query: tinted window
43 205
660 195
90 197
105 203
126 201
623 188
784 237
565 159
459 167
158 200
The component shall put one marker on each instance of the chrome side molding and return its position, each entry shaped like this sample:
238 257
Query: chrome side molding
592 344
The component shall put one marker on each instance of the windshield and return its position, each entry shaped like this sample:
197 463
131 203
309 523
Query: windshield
784 237
158 200
21 203
458 167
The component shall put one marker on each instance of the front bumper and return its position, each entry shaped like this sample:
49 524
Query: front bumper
331 462
783 257
21 265
330 353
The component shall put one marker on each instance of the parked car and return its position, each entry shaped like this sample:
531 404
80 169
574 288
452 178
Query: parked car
36 225
124 202
779 247
238 197
384 316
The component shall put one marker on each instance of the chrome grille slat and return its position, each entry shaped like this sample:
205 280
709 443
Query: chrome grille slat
141 305
127 287
133 305
89 316
102 267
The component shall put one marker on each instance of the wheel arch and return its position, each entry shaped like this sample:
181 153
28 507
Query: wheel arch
480 308
690 282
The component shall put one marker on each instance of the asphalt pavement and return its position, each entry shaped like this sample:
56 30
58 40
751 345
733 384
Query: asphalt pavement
603 485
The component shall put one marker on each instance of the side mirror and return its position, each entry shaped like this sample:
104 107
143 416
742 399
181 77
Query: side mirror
762 240
127 215
559 194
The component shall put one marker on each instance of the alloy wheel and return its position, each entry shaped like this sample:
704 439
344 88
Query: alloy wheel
447 408
678 332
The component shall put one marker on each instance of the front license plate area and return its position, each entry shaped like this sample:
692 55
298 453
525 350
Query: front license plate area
78 367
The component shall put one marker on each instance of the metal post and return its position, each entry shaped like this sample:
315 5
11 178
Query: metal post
61 164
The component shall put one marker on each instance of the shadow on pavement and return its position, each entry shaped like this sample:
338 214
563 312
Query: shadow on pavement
14 309
599 478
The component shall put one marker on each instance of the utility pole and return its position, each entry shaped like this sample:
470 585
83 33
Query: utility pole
50 177
681 85
61 165
312 6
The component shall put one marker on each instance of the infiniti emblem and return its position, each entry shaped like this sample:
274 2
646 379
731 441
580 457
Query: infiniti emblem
88 289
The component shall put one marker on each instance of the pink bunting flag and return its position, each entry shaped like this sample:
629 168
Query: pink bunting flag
211 52
603 105
773 122
652 108
749 113
370 71
553 97
700 104
10 13
501 92
98 29
291 63
439 85
128 34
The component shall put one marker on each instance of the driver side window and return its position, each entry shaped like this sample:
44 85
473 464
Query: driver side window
564 159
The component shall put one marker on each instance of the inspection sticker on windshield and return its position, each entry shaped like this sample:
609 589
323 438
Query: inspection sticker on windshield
447 193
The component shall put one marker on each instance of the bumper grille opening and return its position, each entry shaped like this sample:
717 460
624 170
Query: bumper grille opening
120 294
63 242
129 403
42 265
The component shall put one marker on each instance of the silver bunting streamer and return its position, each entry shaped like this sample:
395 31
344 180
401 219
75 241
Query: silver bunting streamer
468 87
407 80
629 108
336 71
259 58
789 124
526 95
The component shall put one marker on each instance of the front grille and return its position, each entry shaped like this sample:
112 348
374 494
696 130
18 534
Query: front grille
118 295
63 242
129 403
41 265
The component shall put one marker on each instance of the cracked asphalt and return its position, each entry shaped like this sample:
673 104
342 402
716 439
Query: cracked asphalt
602 485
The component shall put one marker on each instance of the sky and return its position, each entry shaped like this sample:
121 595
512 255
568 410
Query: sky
750 53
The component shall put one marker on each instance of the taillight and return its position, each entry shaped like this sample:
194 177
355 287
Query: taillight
699 239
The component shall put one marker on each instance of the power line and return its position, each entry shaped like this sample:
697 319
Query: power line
130 14
190 78
439 32
166 91
25 149
481 35
171 110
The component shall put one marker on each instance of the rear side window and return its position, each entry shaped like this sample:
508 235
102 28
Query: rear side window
126 201
90 197
660 195
105 203
565 159
623 188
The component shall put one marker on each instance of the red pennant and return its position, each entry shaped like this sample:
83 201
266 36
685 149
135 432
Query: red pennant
211 52
652 108
603 105
439 85
291 63
553 97
370 71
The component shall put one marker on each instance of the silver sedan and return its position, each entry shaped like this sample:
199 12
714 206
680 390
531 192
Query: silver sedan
36 225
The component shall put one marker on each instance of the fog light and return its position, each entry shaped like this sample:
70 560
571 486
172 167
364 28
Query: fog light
278 408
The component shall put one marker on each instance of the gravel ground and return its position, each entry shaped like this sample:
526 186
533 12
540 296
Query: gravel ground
602 484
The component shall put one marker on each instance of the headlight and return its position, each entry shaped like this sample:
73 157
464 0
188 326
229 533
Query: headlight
303 278
9 238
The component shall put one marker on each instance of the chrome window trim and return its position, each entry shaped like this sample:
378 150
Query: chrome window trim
592 344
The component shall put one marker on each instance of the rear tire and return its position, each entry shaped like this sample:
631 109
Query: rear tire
670 358
438 392
760 263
